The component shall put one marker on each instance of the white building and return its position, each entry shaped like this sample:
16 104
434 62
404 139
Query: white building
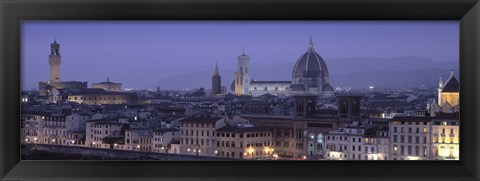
99 131
197 134
76 128
162 139
357 142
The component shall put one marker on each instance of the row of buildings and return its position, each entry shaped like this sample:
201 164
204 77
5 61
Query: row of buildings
348 133
297 119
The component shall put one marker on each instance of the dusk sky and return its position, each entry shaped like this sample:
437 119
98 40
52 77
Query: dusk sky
139 54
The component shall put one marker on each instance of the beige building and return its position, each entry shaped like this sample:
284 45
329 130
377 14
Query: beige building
448 97
95 96
410 138
244 142
445 138
197 134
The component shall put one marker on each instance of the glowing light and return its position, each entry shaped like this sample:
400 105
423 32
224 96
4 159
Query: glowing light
163 148
53 140
93 143
250 150
35 139
26 139
188 149
73 142
304 157
115 145
138 146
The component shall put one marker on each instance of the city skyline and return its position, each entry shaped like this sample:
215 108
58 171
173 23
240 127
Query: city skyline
137 57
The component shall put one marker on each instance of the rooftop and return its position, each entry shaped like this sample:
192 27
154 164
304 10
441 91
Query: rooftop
242 129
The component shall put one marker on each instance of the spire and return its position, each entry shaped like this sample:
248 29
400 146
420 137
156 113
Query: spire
440 84
451 72
216 70
108 78
243 53
310 44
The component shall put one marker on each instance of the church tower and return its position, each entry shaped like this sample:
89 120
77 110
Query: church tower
242 79
216 82
54 60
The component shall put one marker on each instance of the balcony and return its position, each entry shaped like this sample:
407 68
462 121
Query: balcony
443 134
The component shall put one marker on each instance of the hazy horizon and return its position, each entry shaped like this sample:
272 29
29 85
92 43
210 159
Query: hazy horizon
140 54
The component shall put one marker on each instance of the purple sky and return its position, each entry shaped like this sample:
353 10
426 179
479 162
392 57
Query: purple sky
139 54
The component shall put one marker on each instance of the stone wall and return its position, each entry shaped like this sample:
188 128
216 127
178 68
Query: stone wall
110 153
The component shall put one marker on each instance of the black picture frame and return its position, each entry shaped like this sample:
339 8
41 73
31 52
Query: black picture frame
14 11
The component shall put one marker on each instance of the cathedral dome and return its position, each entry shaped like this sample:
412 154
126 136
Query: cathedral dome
327 87
310 64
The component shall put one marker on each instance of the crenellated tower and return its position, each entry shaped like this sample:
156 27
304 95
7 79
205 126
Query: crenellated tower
54 59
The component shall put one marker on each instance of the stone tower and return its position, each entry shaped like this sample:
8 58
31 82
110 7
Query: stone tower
242 79
216 82
54 60
349 106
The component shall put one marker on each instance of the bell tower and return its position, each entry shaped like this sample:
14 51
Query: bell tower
242 78
54 60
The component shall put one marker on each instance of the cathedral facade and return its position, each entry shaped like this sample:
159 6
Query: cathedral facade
310 74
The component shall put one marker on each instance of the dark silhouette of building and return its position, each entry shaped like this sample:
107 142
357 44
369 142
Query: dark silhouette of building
216 82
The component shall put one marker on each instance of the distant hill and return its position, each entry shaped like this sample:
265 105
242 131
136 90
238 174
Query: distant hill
344 72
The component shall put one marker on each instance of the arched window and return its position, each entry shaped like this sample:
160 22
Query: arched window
355 106
300 106
343 107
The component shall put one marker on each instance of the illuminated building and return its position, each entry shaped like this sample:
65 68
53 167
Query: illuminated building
445 137
310 74
410 138
244 142
448 97
242 78
197 134
97 96
357 142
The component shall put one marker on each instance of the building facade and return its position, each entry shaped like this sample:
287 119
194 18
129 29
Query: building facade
445 138
244 142
410 138
108 86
